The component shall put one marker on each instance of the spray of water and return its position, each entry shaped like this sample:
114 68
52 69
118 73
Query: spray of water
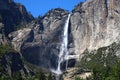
63 55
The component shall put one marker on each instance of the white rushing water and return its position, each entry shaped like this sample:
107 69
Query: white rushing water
63 55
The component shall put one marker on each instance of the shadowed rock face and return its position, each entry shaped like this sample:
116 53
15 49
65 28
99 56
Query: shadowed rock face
13 14
12 62
93 24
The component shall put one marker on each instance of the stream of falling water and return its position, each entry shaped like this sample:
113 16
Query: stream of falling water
63 55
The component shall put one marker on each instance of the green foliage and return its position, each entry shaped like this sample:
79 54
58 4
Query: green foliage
17 76
78 78
50 76
3 77
110 78
40 76
5 49
105 56
103 63
106 73
17 27
30 77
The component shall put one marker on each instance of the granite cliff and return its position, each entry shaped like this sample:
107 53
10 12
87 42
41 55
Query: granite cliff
93 24
41 41
97 23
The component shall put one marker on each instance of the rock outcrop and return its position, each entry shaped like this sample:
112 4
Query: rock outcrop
40 43
13 14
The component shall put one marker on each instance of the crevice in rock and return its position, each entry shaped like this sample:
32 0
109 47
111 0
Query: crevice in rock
106 6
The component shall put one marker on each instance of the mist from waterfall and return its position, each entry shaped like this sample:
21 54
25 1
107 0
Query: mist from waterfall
63 55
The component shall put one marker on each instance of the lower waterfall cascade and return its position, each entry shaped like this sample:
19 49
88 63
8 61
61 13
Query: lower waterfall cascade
63 55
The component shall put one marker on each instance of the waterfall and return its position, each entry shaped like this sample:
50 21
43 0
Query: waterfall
63 55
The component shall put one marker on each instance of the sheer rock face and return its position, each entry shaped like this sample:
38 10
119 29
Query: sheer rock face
40 43
19 37
95 23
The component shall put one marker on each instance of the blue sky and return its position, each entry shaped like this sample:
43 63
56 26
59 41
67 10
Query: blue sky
40 7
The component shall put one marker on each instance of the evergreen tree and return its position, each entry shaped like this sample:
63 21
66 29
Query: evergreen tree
50 76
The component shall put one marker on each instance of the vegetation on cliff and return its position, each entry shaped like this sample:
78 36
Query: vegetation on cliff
18 75
104 63
5 49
